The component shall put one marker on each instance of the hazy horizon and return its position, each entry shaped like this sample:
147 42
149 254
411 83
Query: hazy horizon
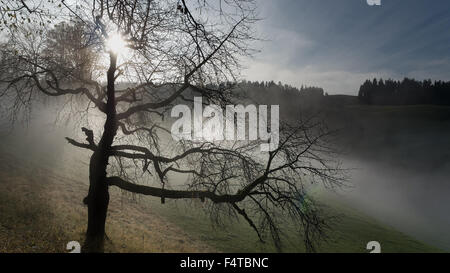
319 43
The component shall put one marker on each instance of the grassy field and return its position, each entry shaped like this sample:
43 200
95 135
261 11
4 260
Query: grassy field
41 210
352 230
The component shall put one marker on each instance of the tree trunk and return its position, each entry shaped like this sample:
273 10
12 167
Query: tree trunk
98 196
97 201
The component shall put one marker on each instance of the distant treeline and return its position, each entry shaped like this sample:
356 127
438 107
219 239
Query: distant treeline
276 90
405 92
291 99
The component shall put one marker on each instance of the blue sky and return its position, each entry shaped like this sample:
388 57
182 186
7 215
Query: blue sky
337 44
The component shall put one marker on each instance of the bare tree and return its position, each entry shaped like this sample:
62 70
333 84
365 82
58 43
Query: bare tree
70 51
174 50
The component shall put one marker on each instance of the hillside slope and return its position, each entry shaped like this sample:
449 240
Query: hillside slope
40 204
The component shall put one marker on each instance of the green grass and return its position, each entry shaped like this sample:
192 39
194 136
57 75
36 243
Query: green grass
41 211
350 231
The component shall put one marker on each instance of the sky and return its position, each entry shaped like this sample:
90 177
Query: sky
337 44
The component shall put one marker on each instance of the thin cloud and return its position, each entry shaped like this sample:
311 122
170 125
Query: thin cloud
326 39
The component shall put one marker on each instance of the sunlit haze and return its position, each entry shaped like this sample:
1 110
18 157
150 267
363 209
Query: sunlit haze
116 44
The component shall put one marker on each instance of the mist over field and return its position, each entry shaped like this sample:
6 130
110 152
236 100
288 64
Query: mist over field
339 114
397 167
412 201
399 158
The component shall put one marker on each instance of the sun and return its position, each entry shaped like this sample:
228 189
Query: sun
116 44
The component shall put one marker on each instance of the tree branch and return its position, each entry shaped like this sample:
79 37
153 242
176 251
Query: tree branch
184 194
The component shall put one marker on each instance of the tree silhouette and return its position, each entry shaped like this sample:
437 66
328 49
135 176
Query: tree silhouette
171 57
